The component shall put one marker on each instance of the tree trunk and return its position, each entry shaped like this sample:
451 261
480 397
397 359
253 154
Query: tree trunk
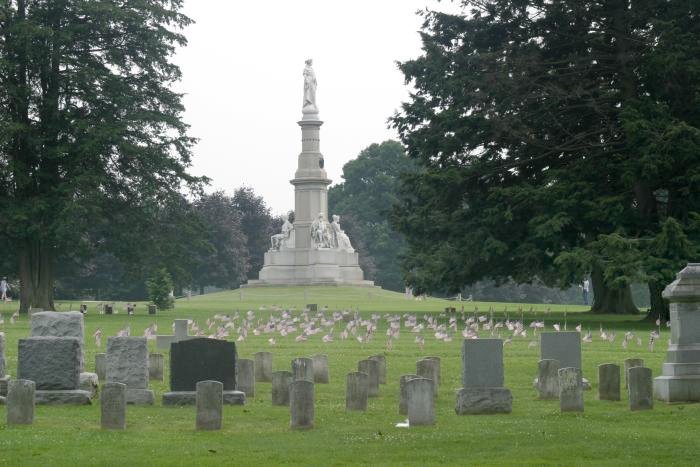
36 276
606 299
659 306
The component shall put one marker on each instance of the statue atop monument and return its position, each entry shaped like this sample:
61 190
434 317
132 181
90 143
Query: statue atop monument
284 239
309 105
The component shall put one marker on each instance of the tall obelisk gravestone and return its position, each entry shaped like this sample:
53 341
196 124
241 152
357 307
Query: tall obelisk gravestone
314 250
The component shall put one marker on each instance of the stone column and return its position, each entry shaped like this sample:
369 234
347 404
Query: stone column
301 404
210 402
371 368
320 364
101 366
640 390
303 368
680 379
113 406
631 363
245 377
156 363
548 379
421 401
403 393
357 385
281 385
20 402
570 390
608 382
263 367
382 367
430 369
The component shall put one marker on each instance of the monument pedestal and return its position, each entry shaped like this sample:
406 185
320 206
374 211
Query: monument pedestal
680 380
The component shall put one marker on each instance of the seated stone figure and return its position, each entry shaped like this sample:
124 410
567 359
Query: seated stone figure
283 240
321 233
342 241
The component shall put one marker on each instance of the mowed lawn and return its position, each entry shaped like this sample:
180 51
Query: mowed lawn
258 433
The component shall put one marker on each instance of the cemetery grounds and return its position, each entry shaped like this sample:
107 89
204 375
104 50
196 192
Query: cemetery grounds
607 433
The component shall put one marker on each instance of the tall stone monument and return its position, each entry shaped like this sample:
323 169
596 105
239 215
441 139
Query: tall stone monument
680 379
314 250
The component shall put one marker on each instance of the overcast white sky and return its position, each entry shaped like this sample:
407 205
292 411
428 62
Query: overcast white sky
242 76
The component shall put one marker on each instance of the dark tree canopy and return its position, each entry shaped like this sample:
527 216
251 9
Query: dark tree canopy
89 127
364 201
555 140
257 224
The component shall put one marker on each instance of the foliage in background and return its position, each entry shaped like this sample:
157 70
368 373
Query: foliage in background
160 288
258 226
555 140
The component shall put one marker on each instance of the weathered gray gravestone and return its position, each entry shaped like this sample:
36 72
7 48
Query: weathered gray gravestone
436 359
245 377
164 341
608 382
4 378
564 346
548 379
210 401
382 367
356 391
101 365
631 363
263 367
53 363
320 364
152 309
20 402
421 401
156 366
127 362
60 324
301 404
303 368
640 390
202 359
281 385
113 406
680 375
482 377
371 368
403 393
570 390
426 368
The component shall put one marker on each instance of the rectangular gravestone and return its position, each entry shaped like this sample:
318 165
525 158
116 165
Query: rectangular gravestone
482 377
60 324
127 363
53 363
564 346
202 359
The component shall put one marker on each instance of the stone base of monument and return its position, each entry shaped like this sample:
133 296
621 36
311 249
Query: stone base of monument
190 398
140 397
675 386
89 382
474 401
67 397
3 385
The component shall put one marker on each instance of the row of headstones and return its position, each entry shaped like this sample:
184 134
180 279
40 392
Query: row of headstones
566 384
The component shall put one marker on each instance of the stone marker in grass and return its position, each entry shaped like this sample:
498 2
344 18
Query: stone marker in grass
20 402
482 378
357 385
382 366
430 369
403 393
301 404
570 390
263 367
156 366
609 382
421 401
246 377
371 368
640 390
631 363
113 406
210 401
281 385
303 368
320 364
547 382
127 362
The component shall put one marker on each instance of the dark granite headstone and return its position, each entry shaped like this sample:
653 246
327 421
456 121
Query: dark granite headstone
202 359
312 307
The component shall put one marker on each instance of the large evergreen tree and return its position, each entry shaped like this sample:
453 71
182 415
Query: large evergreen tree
88 124
556 139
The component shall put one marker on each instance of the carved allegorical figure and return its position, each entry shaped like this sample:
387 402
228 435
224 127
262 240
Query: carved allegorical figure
321 233
309 88
283 240
342 241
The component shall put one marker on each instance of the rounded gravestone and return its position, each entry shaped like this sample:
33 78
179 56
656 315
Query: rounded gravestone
263 367
245 376
113 406
356 389
403 393
437 362
303 369
320 363
371 368
20 402
548 379
631 363
301 404
609 382
210 402
281 385
570 390
421 401
430 369
382 367
640 390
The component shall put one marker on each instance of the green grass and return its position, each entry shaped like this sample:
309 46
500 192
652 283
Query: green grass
258 433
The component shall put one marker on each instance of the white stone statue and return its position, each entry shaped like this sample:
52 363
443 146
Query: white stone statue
321 233
309 105
283 240
342 241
